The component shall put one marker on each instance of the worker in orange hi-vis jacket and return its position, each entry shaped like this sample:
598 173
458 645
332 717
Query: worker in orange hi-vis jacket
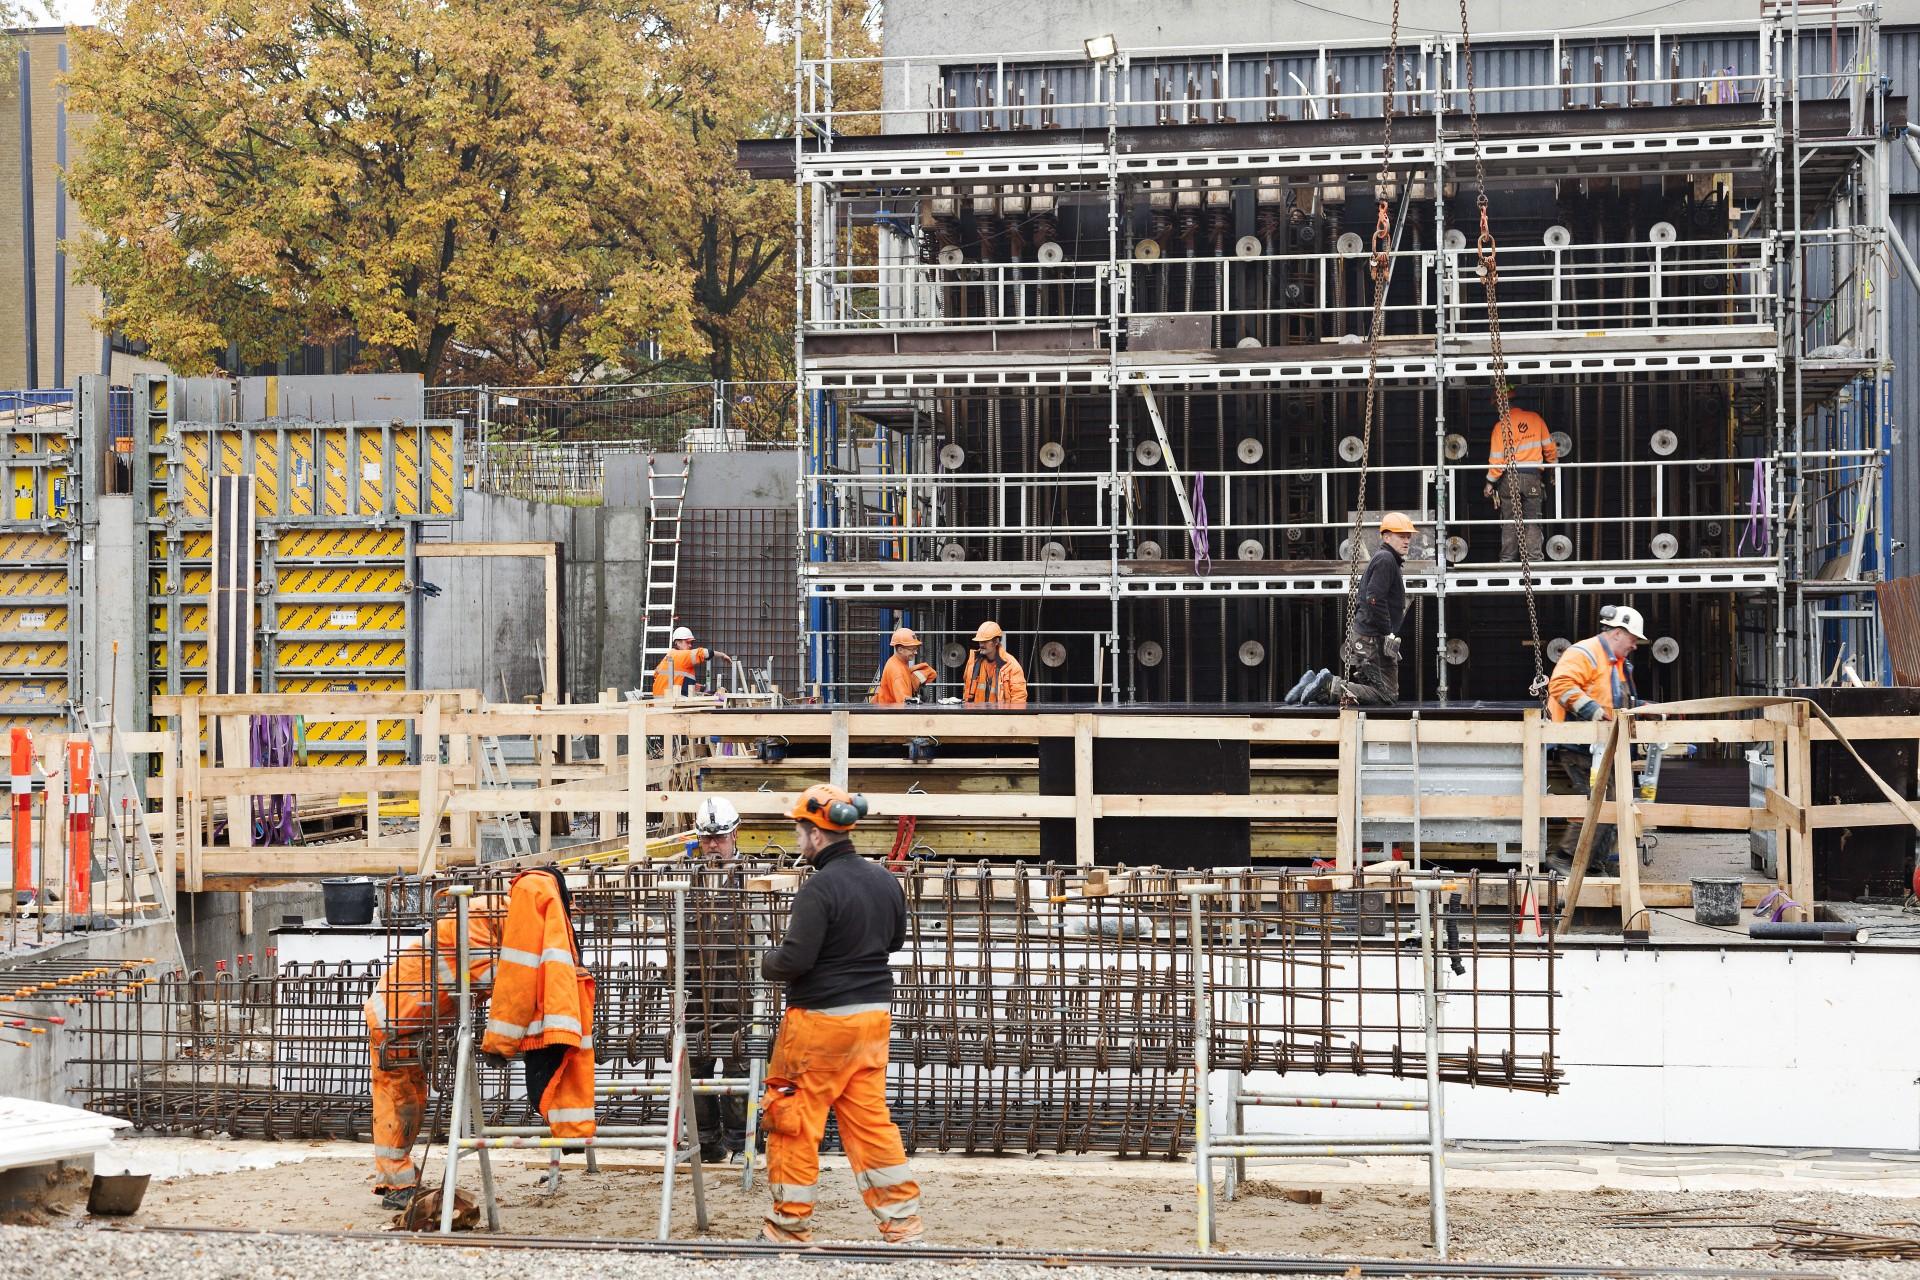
904 675
419 989
1531 460
847 919
679 669
994 677
542 1006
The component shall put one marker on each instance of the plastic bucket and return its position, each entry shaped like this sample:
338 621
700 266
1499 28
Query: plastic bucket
1716 899
116 1194
348 900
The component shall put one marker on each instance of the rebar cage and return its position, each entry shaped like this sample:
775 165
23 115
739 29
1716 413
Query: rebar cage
1035 1008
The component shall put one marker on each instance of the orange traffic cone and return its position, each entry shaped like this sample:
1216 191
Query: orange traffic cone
1530 916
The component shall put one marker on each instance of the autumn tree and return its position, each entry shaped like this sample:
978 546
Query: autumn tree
442 178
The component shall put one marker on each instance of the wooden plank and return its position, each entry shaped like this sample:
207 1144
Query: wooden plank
1634 920
324 780
245 867
1601 892
1346 816
550 583
637 794
1272 806
1799 757
525 722
1876 814
1703 817
429 787
837 748
1083 854
1789 816
344 705
1533 786
895 805
167 839
190 781
1866 728
372 748
1589 827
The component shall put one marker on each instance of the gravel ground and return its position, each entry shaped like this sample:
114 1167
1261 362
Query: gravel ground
1493 1226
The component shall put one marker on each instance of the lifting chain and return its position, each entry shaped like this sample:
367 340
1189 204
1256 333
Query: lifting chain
1381 269
1488 252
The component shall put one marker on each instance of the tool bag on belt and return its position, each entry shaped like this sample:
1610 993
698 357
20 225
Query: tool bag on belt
542 998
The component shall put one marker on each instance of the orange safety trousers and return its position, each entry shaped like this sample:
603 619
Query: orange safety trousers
825 1063
399 1103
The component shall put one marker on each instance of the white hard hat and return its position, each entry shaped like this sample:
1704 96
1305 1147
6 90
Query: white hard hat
1628 618
683 633
716 817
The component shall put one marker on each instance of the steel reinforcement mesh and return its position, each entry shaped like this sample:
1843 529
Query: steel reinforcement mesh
1028 1015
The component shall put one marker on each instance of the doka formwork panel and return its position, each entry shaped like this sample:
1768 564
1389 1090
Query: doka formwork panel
41 559
337 506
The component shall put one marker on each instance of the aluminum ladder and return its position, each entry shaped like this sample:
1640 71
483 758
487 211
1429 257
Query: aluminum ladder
512 828
666 502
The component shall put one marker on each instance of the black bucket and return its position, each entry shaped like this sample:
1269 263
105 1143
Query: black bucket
1716 900
349 900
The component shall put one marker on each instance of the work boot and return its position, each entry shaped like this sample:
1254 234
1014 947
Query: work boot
397 1198
904 1231
1323 680
773 1231
1299 687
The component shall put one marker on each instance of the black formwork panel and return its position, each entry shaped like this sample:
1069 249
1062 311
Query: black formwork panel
1859 861
1150 766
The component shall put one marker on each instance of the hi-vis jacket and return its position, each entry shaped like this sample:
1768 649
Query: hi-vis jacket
995 684
1585 671
1533 447
543 998
421 985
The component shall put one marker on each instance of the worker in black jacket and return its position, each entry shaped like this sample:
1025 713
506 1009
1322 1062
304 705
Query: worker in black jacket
1372 650
847 919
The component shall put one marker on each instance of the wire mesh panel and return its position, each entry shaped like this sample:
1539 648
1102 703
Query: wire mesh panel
739 585
1033 1011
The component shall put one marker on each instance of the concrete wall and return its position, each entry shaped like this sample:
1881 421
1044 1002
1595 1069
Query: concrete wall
44 1071
111 614
488 624
210 922
755 478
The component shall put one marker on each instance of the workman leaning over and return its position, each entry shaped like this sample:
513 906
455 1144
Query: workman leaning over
904 675
1590 681
1372 650
416 994
994 677
847 918
1520 470
679 669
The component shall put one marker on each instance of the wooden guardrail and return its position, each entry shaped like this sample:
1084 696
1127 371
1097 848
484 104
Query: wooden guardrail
443 785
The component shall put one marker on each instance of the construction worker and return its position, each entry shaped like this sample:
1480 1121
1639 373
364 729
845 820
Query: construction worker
1530 459
542 1006
1372 650
716 981
679 669
846 919
419 991
904 675
994 677
1592 680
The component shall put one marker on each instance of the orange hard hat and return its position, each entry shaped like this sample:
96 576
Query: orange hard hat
905 636
825 805
1394 522
989 631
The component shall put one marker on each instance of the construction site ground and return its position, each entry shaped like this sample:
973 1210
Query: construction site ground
1552 1205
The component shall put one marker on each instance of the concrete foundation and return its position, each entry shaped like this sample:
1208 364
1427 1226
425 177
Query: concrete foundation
210 923
45 1070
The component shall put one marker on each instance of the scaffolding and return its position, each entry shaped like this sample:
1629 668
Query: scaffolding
1082 346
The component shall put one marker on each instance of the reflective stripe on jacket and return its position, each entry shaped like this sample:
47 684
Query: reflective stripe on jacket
1532 444
422 984
996 684
900 680
1585 669
678 669
542 998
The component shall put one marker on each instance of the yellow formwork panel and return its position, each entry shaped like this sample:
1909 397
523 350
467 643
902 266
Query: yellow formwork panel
344 655
443 486
35 655
24 548
342 617
342 544
301 474
406 473
195 471
50 618
49 689
370 472
359 579
42 584
336 486
266 474
353 759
